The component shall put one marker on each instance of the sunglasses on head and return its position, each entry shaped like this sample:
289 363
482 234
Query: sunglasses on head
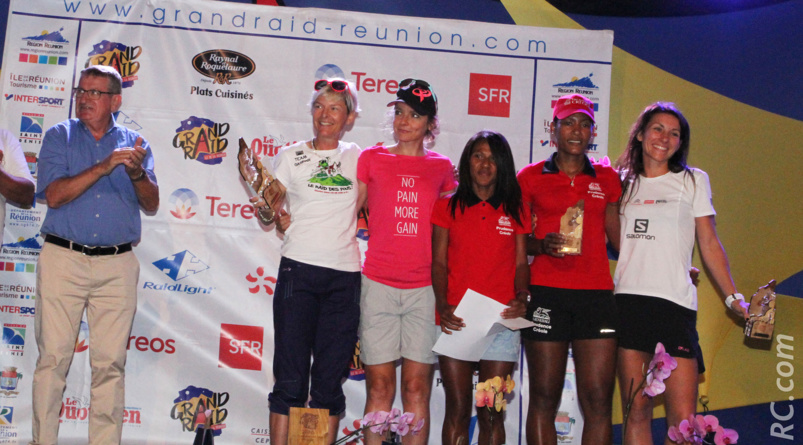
337 85
406 83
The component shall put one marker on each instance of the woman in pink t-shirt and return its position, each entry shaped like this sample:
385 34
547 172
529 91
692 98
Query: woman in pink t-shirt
401 183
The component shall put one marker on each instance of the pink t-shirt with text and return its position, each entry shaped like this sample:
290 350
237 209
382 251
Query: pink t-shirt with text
401 193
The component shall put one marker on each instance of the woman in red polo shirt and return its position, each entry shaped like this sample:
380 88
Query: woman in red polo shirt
479 242
572 300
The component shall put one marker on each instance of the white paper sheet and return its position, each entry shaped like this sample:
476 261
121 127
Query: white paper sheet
483 319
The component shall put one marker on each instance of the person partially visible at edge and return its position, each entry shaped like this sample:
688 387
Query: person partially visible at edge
401 182
479 242
316 304
656 298
95 176
16 182
572 300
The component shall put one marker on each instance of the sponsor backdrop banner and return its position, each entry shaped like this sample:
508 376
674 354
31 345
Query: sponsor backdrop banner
197 76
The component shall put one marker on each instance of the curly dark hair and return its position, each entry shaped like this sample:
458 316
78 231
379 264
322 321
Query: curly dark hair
507 187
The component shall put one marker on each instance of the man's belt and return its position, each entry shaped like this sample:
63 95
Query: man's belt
88 250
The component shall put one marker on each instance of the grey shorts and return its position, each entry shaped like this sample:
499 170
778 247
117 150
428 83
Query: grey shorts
396 323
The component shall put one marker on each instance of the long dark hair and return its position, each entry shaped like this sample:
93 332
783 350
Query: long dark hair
507 187
631 162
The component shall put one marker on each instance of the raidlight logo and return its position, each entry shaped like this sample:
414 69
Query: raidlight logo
13 339
37 82
38 100
156 344
126 121
183 200
31 125
118 56
82 342
240 347
489 95
180 265
582 86
641 225
191 404
271 281
223 65
202 140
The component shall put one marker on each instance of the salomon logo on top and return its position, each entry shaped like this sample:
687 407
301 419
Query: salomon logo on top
181 265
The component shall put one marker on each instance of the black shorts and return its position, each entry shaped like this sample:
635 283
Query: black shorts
645 321
571 314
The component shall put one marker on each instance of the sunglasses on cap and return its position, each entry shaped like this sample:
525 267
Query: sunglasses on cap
337 85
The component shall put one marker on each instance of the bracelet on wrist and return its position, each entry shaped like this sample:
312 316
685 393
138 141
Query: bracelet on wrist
731 298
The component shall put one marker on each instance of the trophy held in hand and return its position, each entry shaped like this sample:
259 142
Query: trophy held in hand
762 313
261 182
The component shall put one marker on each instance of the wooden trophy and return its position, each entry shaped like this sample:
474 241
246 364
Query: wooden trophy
571 226
261 182
308 426
762 313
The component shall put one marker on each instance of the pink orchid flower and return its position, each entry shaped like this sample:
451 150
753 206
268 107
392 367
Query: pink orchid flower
407 418
418 427
725 436
400 428
654 386
707 423
675 435
687 429
379 423
662 364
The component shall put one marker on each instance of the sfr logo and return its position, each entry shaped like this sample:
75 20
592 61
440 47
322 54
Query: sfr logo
240 347
489 95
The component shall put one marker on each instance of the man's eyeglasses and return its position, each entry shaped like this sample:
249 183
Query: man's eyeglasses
92 94
337 85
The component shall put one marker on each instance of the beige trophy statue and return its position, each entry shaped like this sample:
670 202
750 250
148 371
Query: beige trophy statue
762 313
261 182
571 226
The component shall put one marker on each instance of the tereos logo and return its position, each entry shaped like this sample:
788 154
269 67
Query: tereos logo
202 140
118 56
223 65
